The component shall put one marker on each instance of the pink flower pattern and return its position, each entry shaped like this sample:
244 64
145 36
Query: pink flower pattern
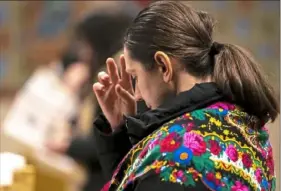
222 105
258 174
239 187
194 142
232 153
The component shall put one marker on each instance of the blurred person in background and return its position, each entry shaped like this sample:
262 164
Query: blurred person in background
210 103
97 37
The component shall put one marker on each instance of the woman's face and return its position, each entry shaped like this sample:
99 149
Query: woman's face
150 85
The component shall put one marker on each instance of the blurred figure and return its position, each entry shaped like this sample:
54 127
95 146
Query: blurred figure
98 36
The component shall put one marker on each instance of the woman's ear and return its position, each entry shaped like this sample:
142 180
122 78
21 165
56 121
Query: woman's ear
164 64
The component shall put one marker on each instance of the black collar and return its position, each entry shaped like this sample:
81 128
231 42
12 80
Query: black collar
200 96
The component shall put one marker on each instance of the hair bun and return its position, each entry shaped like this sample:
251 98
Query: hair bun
216 48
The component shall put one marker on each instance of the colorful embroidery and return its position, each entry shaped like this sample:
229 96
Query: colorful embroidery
214 145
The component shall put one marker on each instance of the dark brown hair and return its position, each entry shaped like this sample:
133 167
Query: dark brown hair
186 34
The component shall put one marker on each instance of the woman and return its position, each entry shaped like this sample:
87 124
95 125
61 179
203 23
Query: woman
209 104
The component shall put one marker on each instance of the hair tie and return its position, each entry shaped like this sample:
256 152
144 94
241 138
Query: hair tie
215 48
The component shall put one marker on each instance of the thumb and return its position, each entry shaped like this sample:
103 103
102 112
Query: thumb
125 96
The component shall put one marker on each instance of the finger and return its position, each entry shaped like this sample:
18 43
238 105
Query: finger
112 70
104 78
98 89
124 73
126 97
126 79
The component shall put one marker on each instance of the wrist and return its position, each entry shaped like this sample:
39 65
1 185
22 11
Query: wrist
117 125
